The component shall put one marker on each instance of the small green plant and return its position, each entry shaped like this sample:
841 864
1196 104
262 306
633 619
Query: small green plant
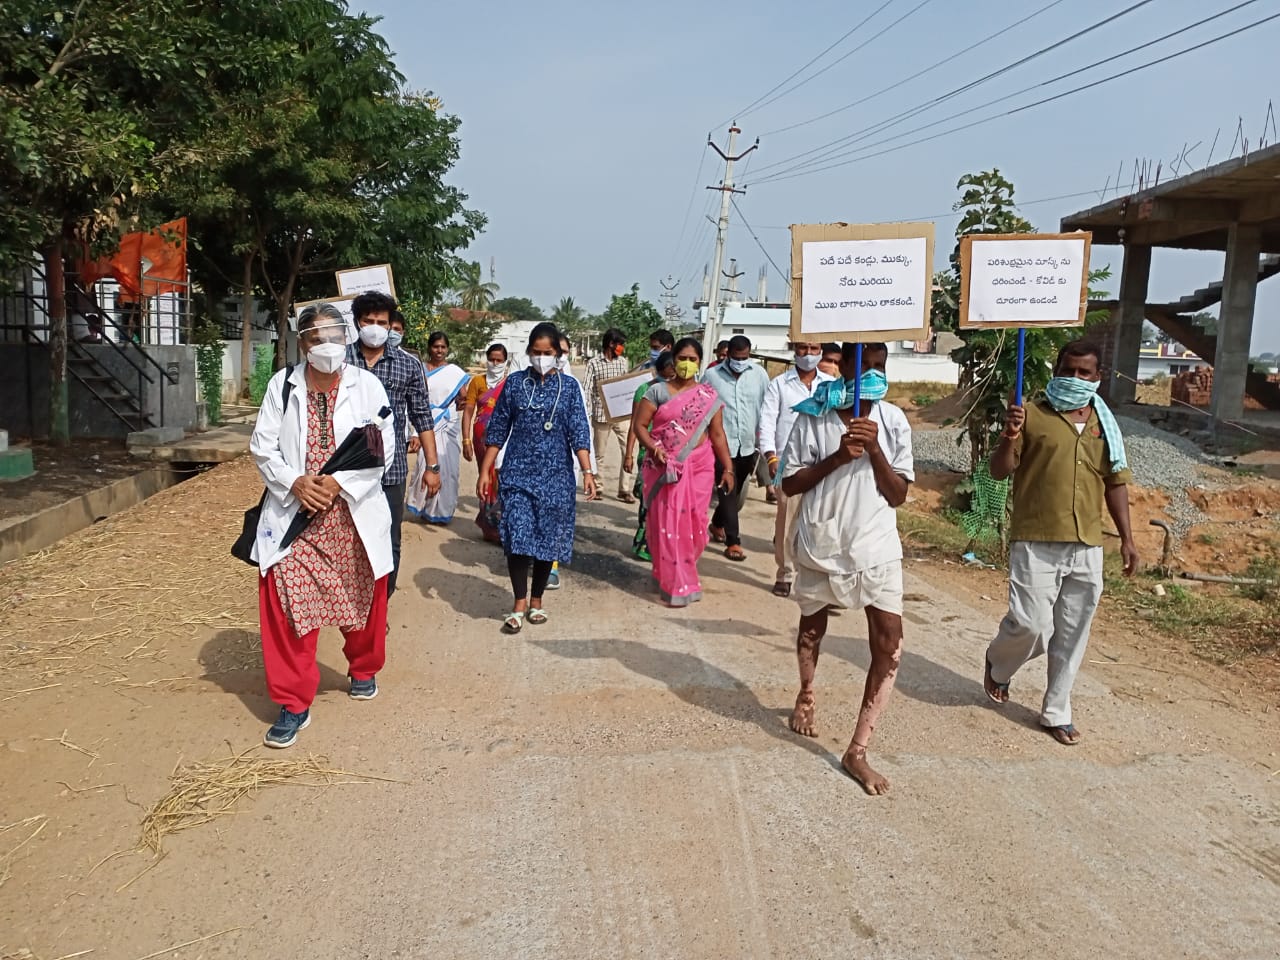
260 374
1266 571
1207 539
923 399
209 350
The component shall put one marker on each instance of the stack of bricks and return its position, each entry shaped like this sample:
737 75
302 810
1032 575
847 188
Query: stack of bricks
1193 386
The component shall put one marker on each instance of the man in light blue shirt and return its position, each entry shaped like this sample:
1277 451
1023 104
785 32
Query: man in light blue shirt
742 385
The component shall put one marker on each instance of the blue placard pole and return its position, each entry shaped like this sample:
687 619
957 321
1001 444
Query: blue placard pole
857 384
1022 356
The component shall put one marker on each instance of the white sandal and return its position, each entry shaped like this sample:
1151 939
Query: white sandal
514 622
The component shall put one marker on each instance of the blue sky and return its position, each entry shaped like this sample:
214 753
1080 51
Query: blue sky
583 124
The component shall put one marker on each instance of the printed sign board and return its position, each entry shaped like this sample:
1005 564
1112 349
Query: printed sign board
342 303
358 280
1024 280
618 394
861 282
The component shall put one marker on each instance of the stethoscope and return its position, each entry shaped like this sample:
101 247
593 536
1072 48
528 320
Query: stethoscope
528 399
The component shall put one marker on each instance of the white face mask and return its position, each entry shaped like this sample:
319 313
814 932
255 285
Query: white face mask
394 338
496 370
327 357
373 335
807 361
562 363
543 365
739 366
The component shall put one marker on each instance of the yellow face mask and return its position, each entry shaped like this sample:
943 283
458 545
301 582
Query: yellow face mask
686 369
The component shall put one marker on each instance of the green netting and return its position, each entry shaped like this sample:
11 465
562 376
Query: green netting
983 519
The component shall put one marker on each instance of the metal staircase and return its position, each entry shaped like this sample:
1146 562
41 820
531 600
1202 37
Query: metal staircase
124 395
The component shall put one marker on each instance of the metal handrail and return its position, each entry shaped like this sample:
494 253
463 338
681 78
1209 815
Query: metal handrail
142 414
106 318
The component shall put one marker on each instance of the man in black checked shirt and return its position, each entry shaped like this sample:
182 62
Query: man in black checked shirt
406 387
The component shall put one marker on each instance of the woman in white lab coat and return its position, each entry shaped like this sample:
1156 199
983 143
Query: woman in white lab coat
334 573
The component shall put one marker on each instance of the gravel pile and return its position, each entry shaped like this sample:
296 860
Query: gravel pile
1159 460
943 449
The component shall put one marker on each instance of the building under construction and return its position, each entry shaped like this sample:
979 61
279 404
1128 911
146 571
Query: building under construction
1233 207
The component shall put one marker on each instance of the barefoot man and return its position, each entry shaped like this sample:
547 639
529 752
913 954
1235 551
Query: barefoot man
853 468
1066 455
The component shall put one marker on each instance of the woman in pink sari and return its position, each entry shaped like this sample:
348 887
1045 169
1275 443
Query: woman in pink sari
679 425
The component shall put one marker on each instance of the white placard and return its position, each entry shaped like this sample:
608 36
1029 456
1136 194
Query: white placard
619 394
1026 282
374 279
342 303
864 285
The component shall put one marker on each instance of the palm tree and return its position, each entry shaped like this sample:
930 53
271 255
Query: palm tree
474 293
568 316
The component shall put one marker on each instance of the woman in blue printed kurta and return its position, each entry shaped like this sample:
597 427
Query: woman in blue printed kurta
541 420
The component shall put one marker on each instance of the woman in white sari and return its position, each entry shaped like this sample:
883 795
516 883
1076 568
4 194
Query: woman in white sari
445 384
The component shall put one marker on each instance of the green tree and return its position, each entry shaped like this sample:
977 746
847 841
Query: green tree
468 337
102 106
636 318
472 290
520 309
570 319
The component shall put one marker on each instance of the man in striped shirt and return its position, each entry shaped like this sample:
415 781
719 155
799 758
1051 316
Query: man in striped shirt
406 387
612 363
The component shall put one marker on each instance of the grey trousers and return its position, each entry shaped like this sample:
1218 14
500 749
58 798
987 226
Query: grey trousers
1054 590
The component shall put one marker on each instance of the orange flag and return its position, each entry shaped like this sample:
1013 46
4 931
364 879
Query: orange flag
164 251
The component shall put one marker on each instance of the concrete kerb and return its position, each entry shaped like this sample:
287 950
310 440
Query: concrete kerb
22 536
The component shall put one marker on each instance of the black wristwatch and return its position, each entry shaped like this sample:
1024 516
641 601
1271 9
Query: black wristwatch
433 468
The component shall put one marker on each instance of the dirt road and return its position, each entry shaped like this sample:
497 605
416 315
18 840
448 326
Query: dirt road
617 783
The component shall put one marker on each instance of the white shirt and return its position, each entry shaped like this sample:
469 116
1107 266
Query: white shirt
845 525
279 447
776 414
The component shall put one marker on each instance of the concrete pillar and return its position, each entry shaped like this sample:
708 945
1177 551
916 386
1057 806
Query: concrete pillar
1130 315
1235 321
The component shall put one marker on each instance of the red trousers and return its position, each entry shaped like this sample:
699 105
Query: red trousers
293 675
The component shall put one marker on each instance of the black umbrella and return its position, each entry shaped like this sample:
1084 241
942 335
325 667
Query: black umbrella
360 450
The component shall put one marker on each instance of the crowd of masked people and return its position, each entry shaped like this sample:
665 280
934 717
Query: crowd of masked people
834 455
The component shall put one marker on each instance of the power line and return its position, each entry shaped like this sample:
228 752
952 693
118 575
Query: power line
800 170
936 101
917 75
785 278
693 193
846 36
780 174
843 57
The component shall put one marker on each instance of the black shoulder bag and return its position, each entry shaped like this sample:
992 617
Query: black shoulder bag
242 549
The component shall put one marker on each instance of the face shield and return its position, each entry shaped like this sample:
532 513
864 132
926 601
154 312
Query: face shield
328 326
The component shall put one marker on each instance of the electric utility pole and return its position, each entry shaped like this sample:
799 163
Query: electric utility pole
671 310
711 331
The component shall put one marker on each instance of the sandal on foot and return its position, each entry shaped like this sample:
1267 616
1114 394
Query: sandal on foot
781 589
1066 733
626 498
735 554
1000 688
717 534
514 622
537 616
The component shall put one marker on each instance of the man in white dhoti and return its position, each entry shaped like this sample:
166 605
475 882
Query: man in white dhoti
853 468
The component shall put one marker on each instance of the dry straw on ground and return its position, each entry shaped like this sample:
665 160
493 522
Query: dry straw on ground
205 790
93 606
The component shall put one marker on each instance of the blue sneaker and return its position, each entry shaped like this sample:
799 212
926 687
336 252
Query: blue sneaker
363 689
553 581
285 730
